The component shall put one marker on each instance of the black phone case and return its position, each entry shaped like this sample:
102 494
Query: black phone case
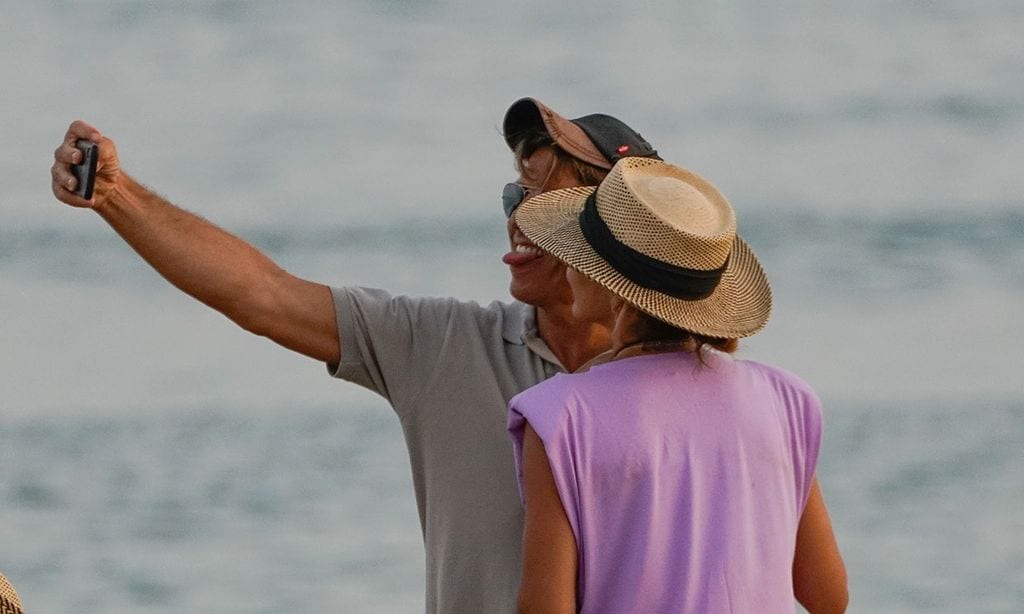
85 171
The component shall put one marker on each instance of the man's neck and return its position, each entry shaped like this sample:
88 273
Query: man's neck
573 342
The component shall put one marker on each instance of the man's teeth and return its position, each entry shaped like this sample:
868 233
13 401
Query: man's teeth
527 249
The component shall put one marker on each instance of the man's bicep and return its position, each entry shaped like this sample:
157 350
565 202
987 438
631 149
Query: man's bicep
302 318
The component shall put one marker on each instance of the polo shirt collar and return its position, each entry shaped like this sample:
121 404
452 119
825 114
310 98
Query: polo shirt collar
522 330
518 322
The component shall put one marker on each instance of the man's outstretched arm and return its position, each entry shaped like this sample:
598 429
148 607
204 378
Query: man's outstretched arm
201 259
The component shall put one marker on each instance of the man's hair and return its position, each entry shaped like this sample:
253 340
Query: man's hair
527 142
653 332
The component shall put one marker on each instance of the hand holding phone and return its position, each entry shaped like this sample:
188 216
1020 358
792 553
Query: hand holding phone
85 171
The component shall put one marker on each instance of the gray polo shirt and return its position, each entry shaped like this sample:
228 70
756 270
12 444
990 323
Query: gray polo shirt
449 368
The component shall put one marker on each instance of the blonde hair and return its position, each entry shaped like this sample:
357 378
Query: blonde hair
527 142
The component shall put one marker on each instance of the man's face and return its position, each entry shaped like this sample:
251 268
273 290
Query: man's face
538 278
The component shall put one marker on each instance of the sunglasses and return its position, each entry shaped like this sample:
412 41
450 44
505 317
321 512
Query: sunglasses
514 194
511 197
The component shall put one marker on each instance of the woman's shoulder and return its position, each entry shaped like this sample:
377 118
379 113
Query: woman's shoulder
560 386
786 382
564 395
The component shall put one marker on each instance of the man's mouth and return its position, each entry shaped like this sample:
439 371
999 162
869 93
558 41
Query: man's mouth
522 254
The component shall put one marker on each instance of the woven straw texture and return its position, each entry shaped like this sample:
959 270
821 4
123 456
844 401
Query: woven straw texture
9 601
669 214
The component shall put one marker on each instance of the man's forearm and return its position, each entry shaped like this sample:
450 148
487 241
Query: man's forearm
196 256
224 271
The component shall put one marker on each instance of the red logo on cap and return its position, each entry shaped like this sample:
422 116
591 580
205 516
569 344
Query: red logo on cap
622 149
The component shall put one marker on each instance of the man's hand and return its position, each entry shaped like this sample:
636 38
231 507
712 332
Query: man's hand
108 169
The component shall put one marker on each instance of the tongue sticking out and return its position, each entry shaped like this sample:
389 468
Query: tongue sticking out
514 258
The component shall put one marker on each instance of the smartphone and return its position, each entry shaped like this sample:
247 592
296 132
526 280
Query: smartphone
85 171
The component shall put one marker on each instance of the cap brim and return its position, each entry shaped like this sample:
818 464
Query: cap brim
527 113
739 306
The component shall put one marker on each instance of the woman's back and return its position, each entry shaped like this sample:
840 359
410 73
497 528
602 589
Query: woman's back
683 482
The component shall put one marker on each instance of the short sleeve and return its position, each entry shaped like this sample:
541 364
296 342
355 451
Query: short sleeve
389 344
548 408
800 408
807 428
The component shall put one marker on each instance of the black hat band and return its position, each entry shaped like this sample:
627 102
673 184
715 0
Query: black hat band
641 269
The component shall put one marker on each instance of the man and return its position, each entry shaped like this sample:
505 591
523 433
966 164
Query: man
447 367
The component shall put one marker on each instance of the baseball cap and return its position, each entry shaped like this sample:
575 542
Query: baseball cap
597 139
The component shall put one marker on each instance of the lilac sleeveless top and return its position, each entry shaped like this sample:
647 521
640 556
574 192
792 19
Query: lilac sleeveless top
683 483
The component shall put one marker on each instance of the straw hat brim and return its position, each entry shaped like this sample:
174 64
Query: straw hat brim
739 306
10 603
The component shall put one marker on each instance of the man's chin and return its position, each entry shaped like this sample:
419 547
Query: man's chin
529 293
521 293
539 295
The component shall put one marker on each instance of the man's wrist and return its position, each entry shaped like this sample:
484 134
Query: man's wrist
124 194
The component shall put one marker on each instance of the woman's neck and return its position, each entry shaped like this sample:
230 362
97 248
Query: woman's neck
626 341
625 335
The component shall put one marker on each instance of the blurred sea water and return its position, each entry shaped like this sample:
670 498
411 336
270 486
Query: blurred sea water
155 458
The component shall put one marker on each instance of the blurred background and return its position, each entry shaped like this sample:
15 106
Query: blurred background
155 458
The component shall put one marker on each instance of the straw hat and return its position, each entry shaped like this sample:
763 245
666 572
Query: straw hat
663 239
9 602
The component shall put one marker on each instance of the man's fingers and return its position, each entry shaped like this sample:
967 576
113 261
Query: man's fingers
66 193
81 130
61 181
67 154
62 178
59 174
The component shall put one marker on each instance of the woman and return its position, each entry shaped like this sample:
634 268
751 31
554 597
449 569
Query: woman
669 477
